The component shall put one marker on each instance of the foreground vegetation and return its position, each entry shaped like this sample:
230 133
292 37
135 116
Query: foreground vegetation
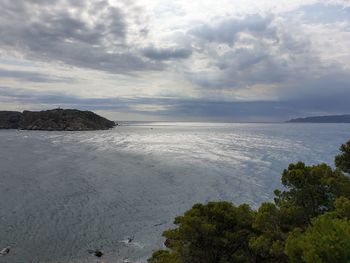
309 221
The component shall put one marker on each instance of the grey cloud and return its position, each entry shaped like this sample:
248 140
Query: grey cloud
30 76
57 31
263 56
241 67
285 59
39 98
275 58
166 53
227 31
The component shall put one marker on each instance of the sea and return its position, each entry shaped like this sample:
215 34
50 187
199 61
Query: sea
63 194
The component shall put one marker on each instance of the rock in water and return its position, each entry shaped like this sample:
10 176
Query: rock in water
54 120
96 253
130 239
5 251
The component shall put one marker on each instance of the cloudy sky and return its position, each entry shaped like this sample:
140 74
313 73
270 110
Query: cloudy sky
201 60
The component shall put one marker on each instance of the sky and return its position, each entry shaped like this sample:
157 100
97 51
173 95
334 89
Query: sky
178 60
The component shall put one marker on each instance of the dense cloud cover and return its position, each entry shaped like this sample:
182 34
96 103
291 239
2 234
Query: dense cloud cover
177 60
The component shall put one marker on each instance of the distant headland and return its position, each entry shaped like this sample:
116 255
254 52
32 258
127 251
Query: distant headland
324 119
54 120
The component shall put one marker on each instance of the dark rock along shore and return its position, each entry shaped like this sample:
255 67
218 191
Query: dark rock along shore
54 120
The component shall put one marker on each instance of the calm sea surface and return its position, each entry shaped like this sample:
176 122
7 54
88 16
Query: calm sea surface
63 193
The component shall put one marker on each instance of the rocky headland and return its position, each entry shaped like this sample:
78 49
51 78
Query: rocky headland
54 120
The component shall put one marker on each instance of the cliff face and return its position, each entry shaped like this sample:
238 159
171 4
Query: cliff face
54 120
10 119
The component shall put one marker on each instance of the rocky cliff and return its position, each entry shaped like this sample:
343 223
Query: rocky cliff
54 120
10 119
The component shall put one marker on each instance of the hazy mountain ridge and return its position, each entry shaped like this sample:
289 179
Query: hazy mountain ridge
324 119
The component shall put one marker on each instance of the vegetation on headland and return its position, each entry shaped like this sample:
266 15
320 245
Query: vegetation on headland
54 120
309 221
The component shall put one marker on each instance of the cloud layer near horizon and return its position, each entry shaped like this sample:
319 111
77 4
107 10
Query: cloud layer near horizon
227 61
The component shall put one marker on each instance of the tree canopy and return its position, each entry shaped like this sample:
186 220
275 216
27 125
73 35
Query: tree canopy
327 239
342 161
215 232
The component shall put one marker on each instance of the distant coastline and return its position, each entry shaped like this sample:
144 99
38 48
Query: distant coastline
54 120
323 119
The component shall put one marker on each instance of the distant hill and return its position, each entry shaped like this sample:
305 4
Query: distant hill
54 120
324 119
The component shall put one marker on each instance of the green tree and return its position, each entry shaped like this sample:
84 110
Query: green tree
268 244
310 191
163 256
215 232
342 207
326 240
342 161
